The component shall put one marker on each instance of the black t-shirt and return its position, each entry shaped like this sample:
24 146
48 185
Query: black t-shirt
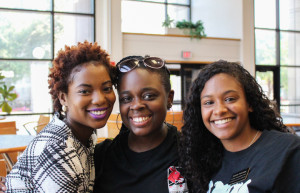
120 170
271 164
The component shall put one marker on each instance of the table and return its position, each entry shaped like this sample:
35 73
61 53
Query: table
13 143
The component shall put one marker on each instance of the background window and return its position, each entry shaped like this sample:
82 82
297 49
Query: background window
31 33
142 16
277 40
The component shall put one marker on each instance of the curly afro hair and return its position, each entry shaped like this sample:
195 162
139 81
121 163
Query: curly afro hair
200 151
69 59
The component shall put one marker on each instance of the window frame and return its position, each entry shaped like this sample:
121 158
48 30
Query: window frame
166 3
278 65
52 13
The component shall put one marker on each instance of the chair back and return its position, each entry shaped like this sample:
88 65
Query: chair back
294 128
8 128
175 118
3 170
42 122
34 127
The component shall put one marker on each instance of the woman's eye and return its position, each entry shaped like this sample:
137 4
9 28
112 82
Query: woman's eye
83 92
229 99
207 102
125 99
148 96
108 89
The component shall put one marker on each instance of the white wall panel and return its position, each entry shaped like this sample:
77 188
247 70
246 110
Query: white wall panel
170 48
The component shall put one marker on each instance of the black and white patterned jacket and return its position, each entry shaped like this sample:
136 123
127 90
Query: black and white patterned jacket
55 161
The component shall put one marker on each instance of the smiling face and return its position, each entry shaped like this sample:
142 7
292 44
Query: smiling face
225 110
143 102
90 98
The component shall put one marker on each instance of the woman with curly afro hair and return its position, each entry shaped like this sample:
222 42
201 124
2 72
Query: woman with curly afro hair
60 158
233 140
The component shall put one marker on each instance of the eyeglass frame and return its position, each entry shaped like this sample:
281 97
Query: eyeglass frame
143 63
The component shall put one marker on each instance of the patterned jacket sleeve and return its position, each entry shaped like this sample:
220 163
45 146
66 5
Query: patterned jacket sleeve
53 170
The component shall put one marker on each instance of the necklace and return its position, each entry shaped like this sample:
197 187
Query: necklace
253 139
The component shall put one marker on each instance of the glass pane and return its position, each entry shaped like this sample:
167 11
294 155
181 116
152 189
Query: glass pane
265 13
183 2
25 35
265 47
290 92
159 1
30 79
43 5
78 6
176 86
265 80
153 15
178 13
290 48
70 29
289 14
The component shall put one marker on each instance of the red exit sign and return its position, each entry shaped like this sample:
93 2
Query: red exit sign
186 54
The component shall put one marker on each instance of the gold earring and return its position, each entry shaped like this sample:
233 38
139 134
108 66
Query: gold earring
64 108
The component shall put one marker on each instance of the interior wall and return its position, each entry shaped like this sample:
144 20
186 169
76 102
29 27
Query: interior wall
248 45
170 48
103 24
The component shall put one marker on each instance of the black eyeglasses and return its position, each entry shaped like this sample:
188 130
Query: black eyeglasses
150 62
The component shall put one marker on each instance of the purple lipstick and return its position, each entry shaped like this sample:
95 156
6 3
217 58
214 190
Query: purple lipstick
98 113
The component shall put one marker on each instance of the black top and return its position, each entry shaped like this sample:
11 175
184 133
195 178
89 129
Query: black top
271 164
120 170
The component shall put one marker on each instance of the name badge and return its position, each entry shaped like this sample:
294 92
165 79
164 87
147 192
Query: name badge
239 176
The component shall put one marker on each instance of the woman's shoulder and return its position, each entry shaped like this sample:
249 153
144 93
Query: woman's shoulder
282 136
103 145
53 136
280 142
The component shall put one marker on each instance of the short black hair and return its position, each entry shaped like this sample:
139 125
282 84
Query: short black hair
163 72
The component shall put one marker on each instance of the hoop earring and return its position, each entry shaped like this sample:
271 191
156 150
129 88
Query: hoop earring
173 116
118 122
169 106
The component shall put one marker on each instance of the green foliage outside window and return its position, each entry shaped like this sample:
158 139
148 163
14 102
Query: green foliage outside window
7 95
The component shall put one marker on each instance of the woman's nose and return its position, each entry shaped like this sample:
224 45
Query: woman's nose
136 104
98 98
220 108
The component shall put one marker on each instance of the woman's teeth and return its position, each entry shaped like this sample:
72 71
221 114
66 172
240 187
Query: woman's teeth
98 112
140 119
222 121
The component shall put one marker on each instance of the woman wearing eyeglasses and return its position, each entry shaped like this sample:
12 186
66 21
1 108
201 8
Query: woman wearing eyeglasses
143 157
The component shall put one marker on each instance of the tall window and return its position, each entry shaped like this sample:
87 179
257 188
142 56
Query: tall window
146 16
277 52
31 33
